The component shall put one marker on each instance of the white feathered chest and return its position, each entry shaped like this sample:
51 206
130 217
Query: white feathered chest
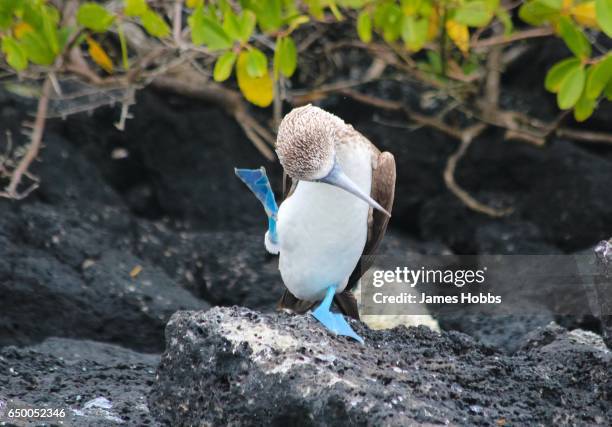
322 229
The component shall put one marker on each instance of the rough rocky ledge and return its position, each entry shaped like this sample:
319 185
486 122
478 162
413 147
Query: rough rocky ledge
236 366
96 384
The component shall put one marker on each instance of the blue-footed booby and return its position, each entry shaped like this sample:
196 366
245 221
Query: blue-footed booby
333 217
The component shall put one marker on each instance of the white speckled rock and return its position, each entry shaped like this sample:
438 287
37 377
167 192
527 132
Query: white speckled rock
234 366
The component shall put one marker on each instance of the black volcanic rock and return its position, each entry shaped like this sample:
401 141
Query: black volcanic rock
95 384
67 263
180 159
560 194
221 267
603 288
237 366
63 275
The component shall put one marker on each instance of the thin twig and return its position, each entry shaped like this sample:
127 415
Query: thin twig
128 100
176 22
7 153
449 174
34 147
585 136
521 35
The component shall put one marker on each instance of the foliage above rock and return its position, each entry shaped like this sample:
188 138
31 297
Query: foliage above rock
254 39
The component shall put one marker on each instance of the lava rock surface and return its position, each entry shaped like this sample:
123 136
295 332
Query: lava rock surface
64 273
237 366
96 384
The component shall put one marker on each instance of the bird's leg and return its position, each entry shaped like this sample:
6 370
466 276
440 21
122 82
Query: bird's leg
258 183
335 322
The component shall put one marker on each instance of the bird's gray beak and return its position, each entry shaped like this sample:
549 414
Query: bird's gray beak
339 179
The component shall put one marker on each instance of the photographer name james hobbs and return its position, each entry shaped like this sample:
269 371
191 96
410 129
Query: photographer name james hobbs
463 298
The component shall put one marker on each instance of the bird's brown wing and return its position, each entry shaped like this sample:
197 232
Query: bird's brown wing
383 191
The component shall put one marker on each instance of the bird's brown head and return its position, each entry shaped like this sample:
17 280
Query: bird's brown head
306 147
305 142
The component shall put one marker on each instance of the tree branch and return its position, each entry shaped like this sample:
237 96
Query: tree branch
467 137
11 191
585 136
520 35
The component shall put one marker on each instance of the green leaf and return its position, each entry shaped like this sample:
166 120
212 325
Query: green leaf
553 4
537 12
414 32
31 15
584 108
492 4
315 8
95 17
380 14
410 7
258 90
295 21
558 72
285 57
207 31
247 25
36 47
599 77
239 28
269 14
574 38
364 26
224 65
124 48
223 5
5 21
7 9
15 56
571 88
231 26
155 24
473 14
354 4
604 15
392 26
291 7
63 35
256 63
49 22
135 7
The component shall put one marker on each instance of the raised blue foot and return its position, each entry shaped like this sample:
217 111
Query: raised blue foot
258 183
335 322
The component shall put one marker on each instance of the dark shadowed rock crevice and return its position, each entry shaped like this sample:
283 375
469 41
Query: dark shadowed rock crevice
236 366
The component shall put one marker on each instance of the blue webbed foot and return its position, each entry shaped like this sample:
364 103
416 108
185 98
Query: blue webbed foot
335 322
258 183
